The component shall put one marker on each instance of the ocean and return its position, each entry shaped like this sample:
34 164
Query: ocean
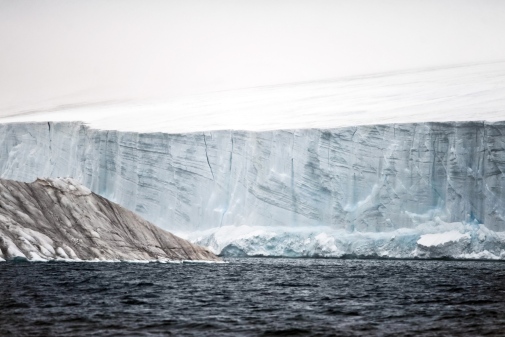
254 297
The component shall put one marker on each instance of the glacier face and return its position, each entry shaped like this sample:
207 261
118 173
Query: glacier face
363 179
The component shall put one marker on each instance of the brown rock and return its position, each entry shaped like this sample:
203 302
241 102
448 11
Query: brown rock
61 219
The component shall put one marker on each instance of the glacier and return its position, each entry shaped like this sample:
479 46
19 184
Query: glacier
371 189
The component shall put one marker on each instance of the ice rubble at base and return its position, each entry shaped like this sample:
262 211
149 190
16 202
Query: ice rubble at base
433 239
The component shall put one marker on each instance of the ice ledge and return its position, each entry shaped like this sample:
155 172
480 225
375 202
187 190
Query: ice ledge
442 239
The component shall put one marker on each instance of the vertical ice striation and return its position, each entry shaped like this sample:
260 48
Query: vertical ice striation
374 178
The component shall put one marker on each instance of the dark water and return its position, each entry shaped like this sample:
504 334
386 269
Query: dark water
256 297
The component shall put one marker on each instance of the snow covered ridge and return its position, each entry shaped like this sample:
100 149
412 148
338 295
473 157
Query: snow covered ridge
434 239
59 219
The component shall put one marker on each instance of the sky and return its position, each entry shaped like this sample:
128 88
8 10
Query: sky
87 51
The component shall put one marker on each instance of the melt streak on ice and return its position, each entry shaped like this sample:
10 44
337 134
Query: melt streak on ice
364 166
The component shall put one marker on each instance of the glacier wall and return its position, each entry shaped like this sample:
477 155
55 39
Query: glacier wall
372 178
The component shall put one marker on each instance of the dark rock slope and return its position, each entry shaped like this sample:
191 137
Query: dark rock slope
60 219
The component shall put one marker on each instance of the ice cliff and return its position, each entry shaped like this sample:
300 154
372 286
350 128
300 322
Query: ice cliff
59 219
364 179
335 168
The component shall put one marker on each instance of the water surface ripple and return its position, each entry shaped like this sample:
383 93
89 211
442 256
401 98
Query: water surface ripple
254 297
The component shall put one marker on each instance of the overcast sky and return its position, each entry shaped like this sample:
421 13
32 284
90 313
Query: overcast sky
64 52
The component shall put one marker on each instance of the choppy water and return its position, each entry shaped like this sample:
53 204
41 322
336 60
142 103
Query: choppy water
265 297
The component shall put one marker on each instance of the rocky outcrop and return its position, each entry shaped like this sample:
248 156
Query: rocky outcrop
61 219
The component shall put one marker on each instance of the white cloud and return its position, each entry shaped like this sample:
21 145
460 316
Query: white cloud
60 52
